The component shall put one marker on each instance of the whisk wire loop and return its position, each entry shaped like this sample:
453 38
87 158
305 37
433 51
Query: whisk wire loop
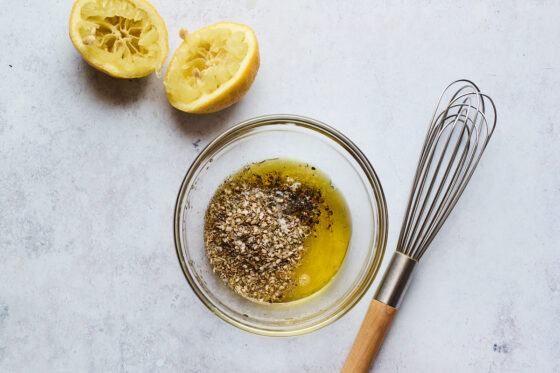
456 138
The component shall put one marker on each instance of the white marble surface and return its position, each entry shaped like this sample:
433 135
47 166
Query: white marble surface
90 167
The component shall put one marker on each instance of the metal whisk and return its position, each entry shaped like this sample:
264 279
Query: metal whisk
461 126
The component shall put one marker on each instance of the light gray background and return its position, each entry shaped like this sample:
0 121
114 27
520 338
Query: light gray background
90 167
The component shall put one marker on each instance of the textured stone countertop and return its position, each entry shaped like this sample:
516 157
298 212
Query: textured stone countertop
90 167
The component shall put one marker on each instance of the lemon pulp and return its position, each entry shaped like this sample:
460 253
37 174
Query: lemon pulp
213 57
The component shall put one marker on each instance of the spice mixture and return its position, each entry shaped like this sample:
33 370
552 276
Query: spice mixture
256 228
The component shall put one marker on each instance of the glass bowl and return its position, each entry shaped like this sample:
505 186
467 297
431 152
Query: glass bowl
303 139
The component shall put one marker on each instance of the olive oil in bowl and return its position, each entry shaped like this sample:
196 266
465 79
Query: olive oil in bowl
277 230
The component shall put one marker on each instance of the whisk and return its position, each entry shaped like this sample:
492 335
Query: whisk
461 126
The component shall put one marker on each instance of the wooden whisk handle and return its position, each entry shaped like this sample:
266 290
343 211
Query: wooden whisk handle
372 332
380 314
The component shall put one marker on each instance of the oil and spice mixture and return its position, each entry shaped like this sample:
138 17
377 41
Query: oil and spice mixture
277 230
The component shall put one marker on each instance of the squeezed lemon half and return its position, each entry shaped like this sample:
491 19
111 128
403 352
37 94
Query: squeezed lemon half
213 68
123 38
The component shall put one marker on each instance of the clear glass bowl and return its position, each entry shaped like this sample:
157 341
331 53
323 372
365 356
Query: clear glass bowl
303 139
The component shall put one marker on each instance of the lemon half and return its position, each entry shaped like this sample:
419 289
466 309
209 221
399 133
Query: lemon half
123 38
213 68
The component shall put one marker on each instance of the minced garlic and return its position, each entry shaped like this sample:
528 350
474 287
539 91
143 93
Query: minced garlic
255 230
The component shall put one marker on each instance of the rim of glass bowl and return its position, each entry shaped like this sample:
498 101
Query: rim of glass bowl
243 128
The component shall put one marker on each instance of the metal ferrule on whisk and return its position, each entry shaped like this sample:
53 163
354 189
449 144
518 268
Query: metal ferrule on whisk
396 280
